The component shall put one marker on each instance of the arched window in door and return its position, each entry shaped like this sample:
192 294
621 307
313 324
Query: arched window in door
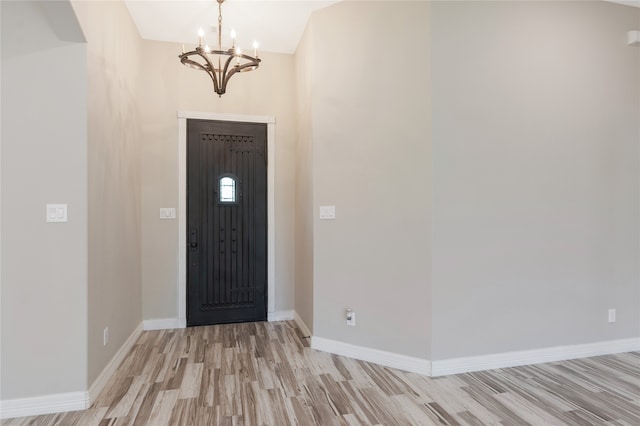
228 190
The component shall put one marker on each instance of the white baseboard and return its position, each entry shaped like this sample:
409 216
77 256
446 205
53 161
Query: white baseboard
301 325
70 401
475 363
109 370
161 324
534 356
387 359
46 404
280 316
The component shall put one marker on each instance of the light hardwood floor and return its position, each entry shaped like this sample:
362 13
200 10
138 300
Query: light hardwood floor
265 374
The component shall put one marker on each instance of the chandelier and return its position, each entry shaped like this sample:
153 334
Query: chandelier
220 64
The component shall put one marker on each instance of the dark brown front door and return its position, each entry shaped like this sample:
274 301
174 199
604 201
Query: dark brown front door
226 222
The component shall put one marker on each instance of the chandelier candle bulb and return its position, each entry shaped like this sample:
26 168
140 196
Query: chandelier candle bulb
233 38
255 48
200 36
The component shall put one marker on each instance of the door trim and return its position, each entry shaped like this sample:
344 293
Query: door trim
270 121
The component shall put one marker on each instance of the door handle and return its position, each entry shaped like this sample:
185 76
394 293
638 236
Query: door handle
193 240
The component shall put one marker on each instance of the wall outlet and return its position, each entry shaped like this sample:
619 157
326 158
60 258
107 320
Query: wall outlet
351 317
612 315
105 336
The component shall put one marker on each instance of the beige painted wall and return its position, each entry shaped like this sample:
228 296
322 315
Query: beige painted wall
536 176
371 159
267 92
114 165
304 210
43 311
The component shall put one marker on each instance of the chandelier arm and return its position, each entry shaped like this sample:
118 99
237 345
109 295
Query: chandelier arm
253 64
211 71
226 74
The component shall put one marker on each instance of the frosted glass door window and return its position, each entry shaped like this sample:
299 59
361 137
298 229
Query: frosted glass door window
227 190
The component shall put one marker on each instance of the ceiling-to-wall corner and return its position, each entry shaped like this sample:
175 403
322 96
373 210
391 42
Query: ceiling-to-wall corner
634 3
63 20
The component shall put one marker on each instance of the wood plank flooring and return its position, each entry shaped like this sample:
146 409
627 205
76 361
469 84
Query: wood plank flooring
265 374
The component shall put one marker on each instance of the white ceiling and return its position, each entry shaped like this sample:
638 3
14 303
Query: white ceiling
277 25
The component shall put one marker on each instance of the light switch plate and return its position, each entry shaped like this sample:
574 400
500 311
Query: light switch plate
167 213
56 213
327 212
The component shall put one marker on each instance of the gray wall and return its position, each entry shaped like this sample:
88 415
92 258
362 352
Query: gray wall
535 173
114 192
510 223
515 223
43 314
268 91
371 155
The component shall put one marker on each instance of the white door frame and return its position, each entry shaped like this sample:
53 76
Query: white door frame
182 203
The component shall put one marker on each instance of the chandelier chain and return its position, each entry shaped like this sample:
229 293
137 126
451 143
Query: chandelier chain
219 38
220 25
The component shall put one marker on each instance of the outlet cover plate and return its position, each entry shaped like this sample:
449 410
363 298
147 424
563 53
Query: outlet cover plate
167 213
327 212
352 319
56 213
